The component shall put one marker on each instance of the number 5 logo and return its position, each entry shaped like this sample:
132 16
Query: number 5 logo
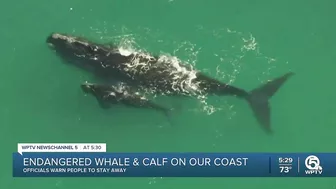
312 162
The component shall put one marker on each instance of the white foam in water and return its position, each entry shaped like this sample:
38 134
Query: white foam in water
125 52
182 75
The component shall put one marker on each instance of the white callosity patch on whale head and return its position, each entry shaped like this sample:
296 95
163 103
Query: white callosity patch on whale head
69 39
63 37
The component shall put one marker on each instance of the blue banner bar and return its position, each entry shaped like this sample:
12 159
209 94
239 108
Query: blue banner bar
174 165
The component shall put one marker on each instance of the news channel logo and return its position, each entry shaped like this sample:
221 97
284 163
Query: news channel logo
313 165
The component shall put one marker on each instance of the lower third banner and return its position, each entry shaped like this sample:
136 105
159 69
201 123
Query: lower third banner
173 164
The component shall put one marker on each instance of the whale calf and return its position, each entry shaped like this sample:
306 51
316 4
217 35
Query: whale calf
108 95
159 74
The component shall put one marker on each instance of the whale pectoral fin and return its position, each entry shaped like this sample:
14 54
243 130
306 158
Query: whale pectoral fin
103 103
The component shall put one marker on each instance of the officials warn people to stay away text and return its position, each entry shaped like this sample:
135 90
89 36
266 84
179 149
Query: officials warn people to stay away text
102 165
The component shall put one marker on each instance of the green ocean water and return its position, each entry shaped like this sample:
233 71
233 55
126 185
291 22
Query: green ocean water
241 42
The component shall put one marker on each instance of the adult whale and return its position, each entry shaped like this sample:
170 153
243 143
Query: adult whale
158 74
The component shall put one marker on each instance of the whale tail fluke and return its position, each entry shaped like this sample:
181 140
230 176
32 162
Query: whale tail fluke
259 100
